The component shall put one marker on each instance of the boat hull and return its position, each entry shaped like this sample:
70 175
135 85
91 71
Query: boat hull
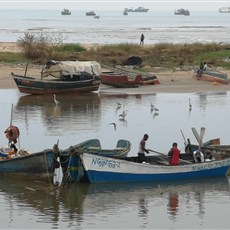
71 162
211 76
100 169
121 80
37 166
30 85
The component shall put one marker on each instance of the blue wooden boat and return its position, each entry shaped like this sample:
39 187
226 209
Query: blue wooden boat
71 162
101 169
35 166
211 75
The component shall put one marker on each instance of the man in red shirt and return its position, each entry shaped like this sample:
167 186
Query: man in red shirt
174 154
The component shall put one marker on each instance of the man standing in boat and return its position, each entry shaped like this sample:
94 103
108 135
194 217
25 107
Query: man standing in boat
142 149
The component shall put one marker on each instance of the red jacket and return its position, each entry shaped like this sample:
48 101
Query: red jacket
174 156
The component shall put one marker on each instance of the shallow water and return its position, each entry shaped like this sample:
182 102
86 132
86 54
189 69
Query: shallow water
191 204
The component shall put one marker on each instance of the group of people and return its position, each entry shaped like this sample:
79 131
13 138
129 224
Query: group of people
203 67
173 154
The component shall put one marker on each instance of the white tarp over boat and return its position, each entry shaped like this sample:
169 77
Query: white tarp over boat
63 68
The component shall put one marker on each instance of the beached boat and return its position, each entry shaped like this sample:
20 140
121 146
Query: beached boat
66 12
120 80
31 166
61 77
224 10
138 9
211 75
101 169
182 12
71 162
90 13
126 78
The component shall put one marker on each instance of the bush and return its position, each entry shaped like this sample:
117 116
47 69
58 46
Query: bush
40 47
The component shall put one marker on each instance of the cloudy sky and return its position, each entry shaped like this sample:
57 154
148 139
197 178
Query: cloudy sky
113 4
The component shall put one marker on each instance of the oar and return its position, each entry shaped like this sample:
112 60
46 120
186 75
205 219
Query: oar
197 136
202 131
185 142
167 156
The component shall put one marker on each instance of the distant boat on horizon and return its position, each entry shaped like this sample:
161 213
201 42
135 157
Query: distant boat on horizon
182 12
138 9
90 13
224 10
66 12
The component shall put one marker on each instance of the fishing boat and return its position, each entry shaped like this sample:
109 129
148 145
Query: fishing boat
32 166
211 75
90 13
138 9
66 12
120 80
71 162
101 169
224 10
182 12
61 77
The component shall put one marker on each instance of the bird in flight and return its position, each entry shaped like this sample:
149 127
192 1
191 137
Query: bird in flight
114 125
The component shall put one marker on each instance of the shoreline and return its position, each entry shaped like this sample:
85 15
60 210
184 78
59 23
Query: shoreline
179 81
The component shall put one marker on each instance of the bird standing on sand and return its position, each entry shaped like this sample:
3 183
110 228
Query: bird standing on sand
55 100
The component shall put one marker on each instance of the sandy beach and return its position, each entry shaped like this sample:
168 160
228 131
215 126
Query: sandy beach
170 81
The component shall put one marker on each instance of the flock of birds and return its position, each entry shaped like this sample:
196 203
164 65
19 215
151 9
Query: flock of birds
124 112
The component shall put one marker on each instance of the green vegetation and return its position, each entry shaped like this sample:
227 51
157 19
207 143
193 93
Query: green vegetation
40 48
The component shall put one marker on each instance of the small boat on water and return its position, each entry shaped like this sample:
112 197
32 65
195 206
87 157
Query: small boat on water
101 169
90 13
33 166
71 162
224 10
211 75
61 77
66 12
182 12
138 9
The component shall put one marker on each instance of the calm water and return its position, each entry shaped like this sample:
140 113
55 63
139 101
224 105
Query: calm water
114 27
202 204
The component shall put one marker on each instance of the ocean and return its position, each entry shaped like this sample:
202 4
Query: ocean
113 27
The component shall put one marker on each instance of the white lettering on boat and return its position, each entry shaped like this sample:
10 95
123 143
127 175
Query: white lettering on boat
219 164
105 163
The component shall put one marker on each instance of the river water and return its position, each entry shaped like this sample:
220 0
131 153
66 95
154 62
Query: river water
202 204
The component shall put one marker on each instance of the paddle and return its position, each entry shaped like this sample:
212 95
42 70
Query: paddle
197 136
202 131
162 154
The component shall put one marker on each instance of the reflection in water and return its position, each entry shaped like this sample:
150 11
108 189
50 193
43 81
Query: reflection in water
173 204
71 110
80 205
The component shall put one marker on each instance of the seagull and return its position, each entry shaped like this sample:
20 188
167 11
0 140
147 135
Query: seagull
190 105
118 105
55 100
114 125
123 114
153 108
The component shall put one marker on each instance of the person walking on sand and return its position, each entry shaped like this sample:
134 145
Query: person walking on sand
142 39
174 154
142 149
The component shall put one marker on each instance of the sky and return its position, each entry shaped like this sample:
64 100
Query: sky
113 4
